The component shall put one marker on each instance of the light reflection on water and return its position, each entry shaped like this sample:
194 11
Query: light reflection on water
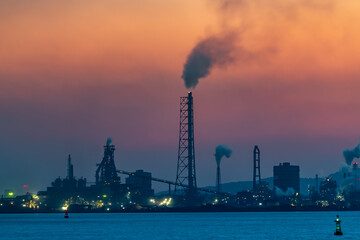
283 225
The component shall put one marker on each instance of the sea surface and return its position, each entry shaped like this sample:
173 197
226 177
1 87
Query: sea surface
257 225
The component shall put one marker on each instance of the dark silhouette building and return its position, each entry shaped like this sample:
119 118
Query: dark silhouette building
287 177
140 186
106 193
245 198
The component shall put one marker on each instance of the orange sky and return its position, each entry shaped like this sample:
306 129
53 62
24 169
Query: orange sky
120 35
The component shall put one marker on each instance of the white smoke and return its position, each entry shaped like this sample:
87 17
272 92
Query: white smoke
349 155
220 152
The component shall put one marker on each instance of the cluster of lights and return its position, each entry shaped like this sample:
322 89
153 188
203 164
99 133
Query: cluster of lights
165 202
31 204
65 206
323 203
340 198
99 203
36 197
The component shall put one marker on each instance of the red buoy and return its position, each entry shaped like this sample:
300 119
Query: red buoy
66 214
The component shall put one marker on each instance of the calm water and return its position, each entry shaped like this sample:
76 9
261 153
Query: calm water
290 225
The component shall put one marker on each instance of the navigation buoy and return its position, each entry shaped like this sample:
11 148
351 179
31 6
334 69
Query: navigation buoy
66 214
338 227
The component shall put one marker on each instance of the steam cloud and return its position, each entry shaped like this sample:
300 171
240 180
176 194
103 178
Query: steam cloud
220 152
108 141
349 155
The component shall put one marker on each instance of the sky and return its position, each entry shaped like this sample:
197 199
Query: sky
73 73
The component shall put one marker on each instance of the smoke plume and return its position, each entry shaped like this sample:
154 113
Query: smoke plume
220 152
349 155
248 32
210 52
108 141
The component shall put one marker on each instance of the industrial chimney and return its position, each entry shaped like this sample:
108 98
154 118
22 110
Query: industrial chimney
220 152
70 170
186 172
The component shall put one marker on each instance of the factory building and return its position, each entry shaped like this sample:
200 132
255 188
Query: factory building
107 192
141 180
328 190
287 177
140 186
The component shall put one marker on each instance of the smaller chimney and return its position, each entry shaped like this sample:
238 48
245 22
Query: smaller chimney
218 179
70 172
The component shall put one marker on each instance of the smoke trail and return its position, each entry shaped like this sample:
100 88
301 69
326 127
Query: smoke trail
349 155
108 141
220 152
210 52
248 30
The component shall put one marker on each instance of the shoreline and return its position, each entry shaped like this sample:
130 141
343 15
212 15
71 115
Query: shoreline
193 209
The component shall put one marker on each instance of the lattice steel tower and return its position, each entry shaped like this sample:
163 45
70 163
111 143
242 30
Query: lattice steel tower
256 175
186 172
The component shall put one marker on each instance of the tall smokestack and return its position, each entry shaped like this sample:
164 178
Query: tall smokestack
218 179
355 172
70 172
256 174
191 154
186 171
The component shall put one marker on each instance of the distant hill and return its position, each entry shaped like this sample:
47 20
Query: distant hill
234 187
